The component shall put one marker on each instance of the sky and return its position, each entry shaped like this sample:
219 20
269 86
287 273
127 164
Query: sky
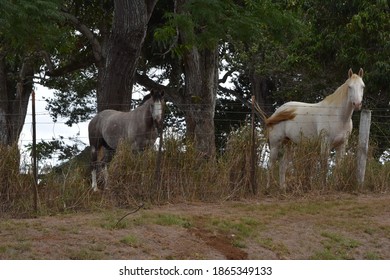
45 127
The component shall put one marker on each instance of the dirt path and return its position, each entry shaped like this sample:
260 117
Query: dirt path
345 227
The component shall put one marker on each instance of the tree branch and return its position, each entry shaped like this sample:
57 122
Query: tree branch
247 103
77 63
83 29
49 62
226 76
173 94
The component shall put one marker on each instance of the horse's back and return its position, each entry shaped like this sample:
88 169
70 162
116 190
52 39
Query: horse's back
310 120
293 120
105 127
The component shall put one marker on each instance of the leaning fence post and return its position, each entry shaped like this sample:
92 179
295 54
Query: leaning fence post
34 152
362 151
253 149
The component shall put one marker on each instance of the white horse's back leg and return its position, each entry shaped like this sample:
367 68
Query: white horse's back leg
97 163
94 180
272 159
105 176
283 165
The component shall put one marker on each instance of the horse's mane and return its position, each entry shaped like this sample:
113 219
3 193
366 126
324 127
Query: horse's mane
157 95
340 93
146 98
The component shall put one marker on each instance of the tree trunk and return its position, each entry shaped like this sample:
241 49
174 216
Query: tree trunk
123 50
4 135
14 101
201 83
261 88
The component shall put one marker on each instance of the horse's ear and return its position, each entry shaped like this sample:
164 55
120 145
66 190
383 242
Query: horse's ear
350 73
152 92
162 93
361 72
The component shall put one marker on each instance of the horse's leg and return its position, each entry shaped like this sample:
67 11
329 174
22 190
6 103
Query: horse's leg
340 152
94 157
283 167
102 164
272 159
323 164
106 158
105 176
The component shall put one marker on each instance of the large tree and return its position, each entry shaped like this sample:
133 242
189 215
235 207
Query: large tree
346 35
23 35
115 35
193 36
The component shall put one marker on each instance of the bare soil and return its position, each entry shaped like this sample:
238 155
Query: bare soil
331 227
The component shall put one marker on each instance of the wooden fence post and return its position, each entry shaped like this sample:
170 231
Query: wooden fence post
253 149
34 152
157 172
362 151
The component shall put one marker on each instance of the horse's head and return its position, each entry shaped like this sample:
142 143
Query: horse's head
355 88
157 107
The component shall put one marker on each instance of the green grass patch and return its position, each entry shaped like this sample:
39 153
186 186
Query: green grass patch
172 220
85 254
244 227
336 247
372 256
239 230
130 240
278 248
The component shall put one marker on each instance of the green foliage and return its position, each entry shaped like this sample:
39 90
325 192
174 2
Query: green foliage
205 24
29 25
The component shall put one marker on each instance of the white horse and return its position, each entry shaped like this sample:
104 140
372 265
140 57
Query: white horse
329 119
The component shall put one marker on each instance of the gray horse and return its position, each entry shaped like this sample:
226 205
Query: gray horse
139 127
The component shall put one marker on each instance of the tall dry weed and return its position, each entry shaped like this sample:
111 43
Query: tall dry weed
238 161
311 171
15 188
184 175
66 189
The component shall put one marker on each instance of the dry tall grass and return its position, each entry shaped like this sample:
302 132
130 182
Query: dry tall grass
14 187
185 175
311 171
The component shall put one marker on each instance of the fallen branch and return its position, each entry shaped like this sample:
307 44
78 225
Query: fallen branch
132 212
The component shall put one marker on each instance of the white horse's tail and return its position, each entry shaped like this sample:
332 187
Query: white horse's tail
284 115
260 112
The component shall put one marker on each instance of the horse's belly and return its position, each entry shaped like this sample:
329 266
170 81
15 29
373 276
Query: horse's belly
299 129
144 142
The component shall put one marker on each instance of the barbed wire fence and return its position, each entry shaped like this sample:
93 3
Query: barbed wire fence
82 140
242 175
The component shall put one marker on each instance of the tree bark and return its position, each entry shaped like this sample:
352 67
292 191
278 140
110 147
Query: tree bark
4 135
261 89
14 101
124 48
201 83
197 100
